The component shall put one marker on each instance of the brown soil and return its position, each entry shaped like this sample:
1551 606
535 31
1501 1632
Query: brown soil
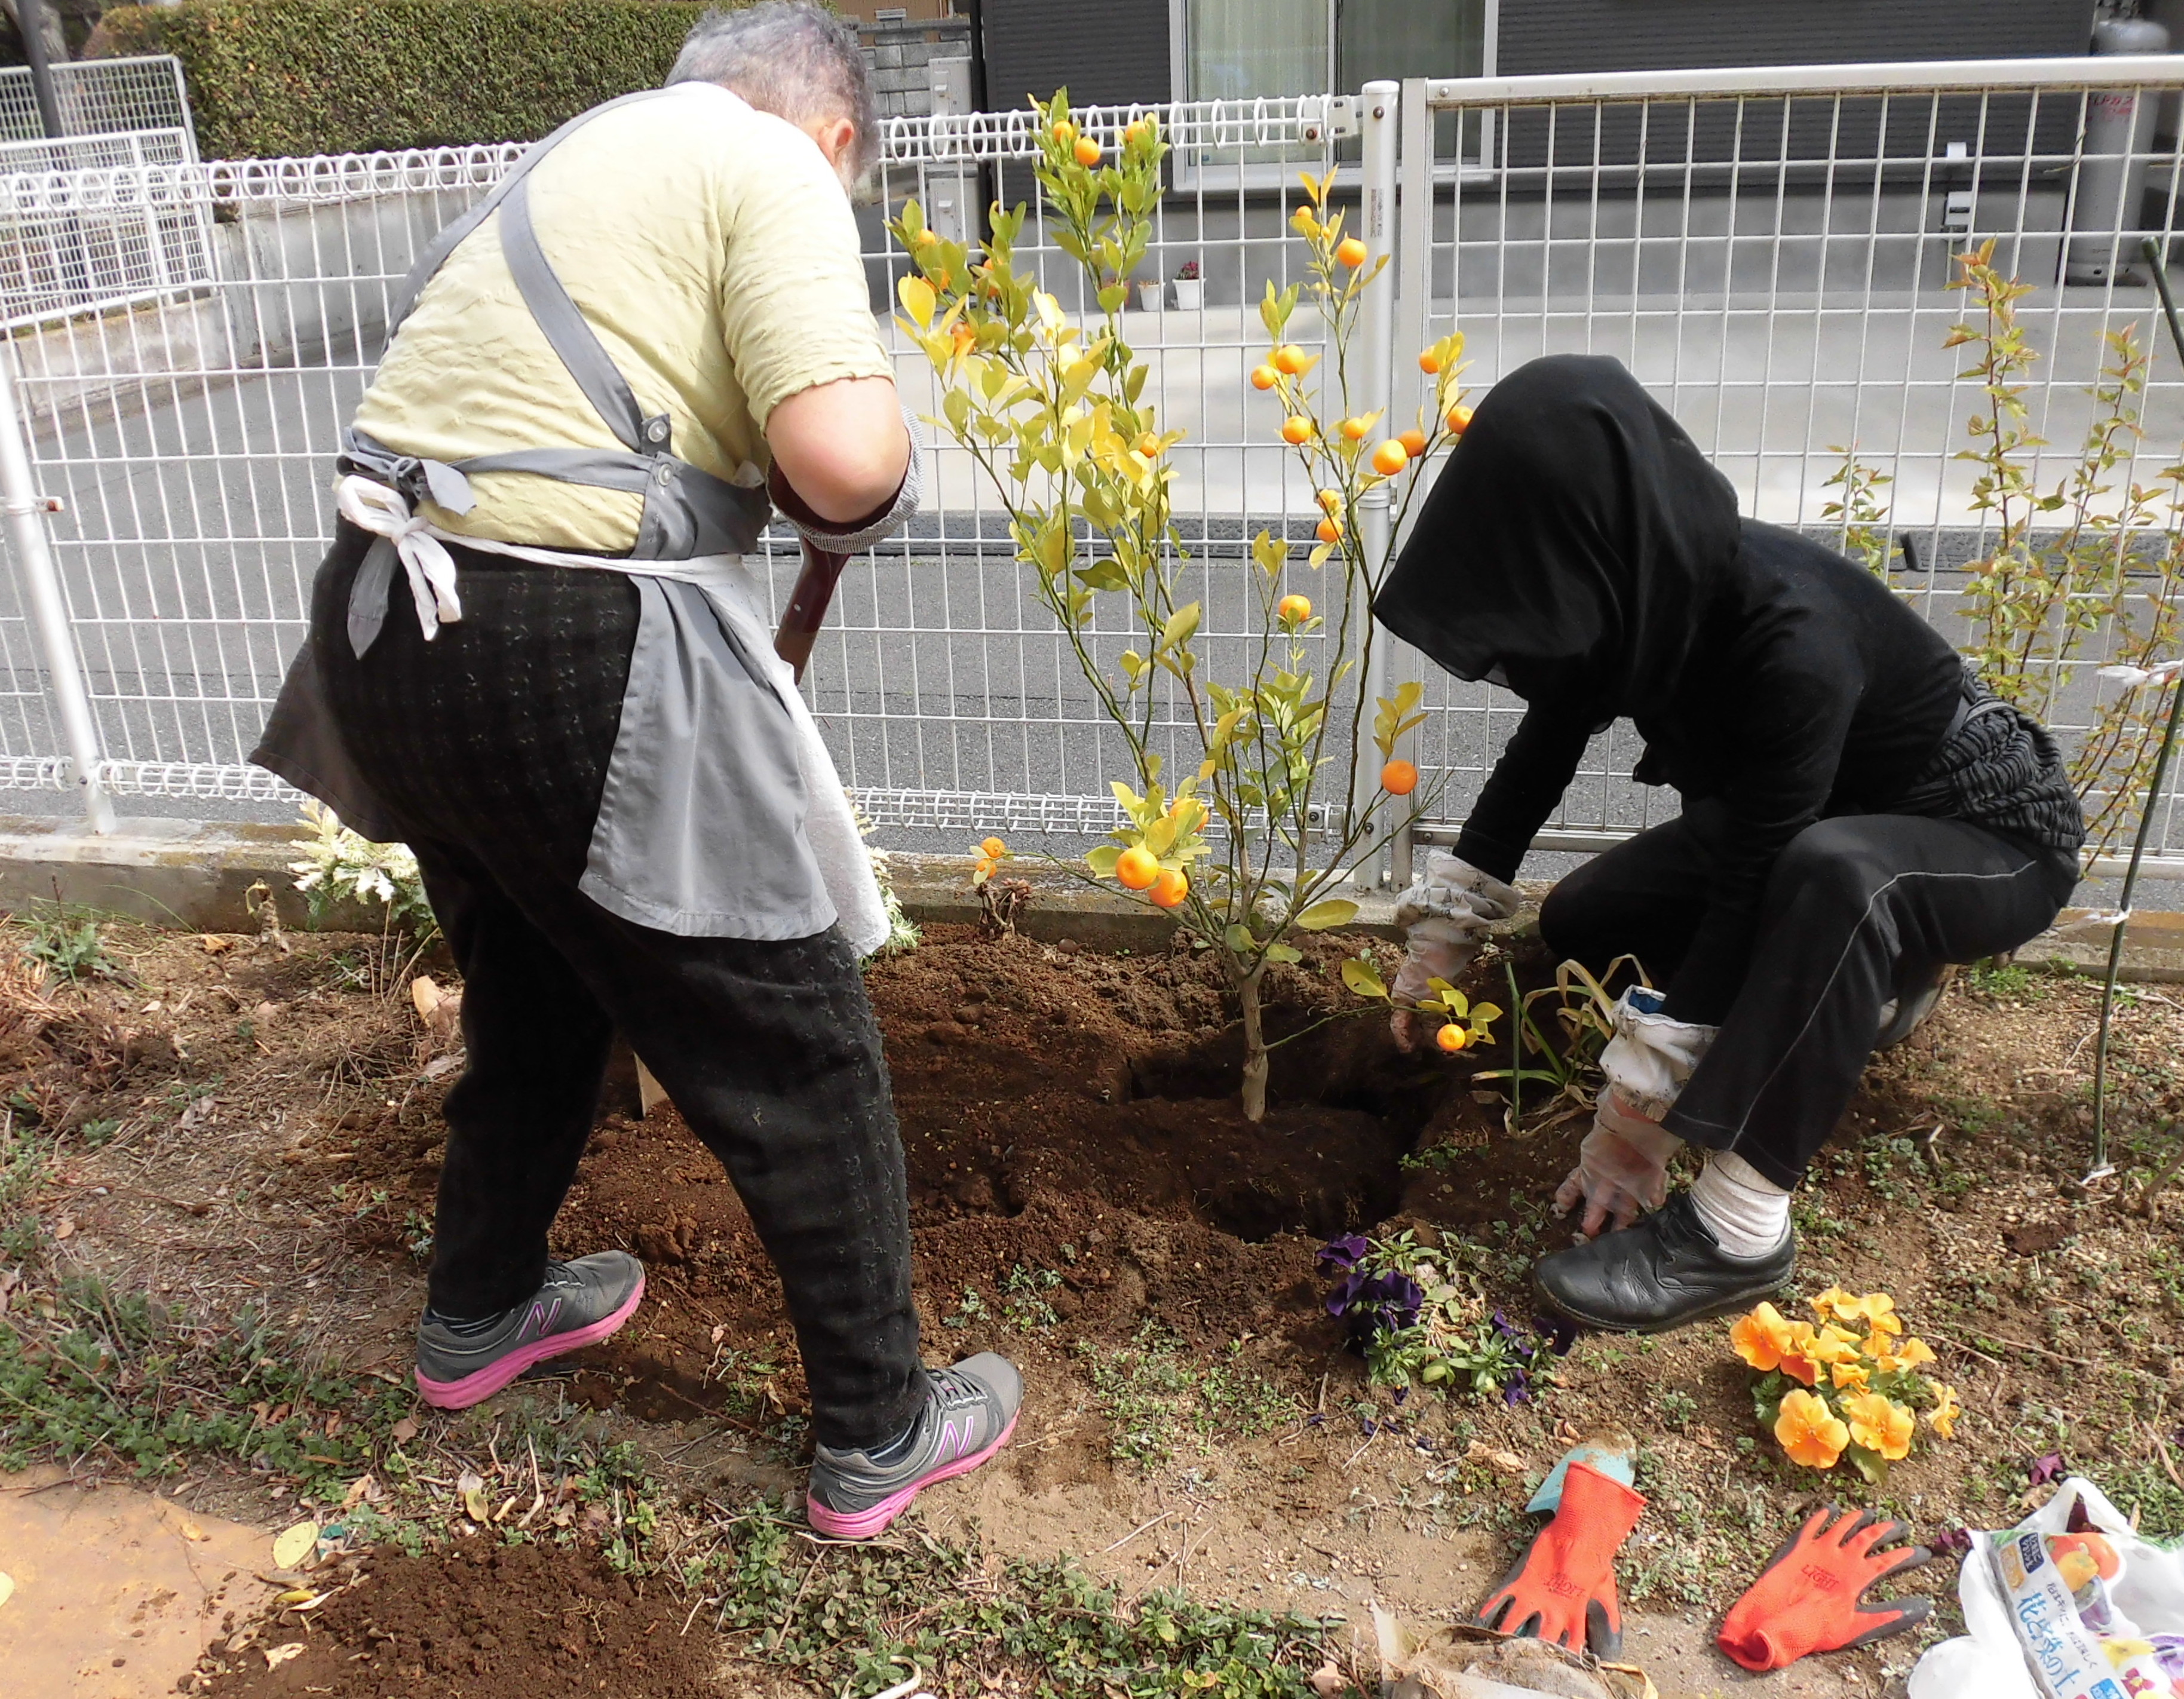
1072 1134
485 1621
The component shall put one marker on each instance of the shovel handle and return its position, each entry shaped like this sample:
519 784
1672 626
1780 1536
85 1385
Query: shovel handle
807 607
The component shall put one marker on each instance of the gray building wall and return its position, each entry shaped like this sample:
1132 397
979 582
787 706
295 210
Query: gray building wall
1541 36
1107 54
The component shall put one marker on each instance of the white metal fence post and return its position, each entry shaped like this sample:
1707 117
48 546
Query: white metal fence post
1379 107
25 510
1414 273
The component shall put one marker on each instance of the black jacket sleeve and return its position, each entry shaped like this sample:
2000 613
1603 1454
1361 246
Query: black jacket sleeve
1781 760
1522 790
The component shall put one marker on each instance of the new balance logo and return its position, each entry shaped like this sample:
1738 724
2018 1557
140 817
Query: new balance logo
541 1321
955 1440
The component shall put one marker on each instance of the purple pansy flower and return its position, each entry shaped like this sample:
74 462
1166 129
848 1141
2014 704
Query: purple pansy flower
1340 1255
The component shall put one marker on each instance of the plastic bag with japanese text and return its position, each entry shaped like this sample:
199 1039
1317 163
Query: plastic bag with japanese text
2070 1604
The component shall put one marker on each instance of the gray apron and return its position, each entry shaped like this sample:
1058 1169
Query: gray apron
701 829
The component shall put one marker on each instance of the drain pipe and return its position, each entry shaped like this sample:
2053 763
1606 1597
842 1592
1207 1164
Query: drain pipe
2111 164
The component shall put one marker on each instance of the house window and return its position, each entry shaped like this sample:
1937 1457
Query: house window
1239 49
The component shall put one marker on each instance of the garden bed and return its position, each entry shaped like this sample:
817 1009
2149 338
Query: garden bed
248 1125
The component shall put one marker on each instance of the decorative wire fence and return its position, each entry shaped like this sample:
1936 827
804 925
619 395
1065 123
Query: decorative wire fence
1772 260
101 252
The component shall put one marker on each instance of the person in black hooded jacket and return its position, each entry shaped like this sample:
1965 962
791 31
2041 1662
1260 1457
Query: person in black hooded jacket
1859 810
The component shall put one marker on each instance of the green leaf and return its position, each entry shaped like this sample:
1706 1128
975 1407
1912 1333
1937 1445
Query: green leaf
1238 937
1182 625
1335 911
1870 1464
1363 978
1102 860
1284 952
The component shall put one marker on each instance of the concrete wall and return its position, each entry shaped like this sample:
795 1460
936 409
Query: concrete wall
899 55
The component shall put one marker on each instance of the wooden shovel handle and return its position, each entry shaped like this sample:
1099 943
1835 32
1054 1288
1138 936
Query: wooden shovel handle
807 607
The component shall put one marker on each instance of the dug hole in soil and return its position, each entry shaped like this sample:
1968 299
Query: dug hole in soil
1060 1110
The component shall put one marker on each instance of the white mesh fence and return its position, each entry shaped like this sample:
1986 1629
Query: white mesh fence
1773 268
100 96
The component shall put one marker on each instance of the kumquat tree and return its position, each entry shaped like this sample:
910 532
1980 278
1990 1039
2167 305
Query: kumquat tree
1249 847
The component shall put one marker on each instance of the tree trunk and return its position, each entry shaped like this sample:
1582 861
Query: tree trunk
50 29
1255 1047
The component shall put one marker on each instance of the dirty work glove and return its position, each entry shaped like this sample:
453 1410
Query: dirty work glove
1622 1168
1445 916
1807 1598
1564 1587
1650 1058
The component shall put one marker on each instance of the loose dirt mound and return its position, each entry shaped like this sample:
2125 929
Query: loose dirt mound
485 1621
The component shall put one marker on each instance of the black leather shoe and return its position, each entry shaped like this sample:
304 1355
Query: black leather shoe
1663 1271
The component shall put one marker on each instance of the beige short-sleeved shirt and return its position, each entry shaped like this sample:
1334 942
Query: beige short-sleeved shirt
711 249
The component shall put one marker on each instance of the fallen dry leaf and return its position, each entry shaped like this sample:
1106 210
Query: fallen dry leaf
276 1656
471 1485
293 1544
297 1596
405 1430
64 1228
1328 1682
424 996
358 1491
7 1586
213 944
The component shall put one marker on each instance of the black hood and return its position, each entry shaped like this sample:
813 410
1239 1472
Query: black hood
1570 547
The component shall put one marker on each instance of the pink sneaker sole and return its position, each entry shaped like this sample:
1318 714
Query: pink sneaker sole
475 1389
868 1523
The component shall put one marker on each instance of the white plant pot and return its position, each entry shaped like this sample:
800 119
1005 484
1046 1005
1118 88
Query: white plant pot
1190 294
1151 296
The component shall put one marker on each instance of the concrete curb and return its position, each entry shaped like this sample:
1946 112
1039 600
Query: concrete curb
200 876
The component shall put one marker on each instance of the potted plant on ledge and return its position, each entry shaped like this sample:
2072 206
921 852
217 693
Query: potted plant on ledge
1189 288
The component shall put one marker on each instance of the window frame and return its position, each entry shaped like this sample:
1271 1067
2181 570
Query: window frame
1189 173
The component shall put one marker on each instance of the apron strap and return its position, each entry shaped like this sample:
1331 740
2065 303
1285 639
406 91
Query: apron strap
569 336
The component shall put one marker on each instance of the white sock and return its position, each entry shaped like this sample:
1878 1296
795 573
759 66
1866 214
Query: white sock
1748 1213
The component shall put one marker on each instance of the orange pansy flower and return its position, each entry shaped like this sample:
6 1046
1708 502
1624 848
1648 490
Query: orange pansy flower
1810 1433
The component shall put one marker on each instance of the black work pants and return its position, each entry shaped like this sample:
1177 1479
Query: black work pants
1857 910
490 745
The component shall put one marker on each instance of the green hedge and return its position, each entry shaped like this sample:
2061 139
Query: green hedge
269 78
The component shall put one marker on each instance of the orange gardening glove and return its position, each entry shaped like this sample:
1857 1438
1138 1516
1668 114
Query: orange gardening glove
1807 1598
1564 1587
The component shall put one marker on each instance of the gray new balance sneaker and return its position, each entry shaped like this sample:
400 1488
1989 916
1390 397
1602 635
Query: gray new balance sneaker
583 1302
970 1411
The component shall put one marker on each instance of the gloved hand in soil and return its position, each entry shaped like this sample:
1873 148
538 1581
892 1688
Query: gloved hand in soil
1445 915
1564 1587
1622 1168
1807 1598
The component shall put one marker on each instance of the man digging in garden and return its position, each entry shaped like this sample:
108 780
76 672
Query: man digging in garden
564 701
1858 812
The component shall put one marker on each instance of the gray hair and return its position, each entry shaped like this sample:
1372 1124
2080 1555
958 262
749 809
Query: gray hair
794 59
